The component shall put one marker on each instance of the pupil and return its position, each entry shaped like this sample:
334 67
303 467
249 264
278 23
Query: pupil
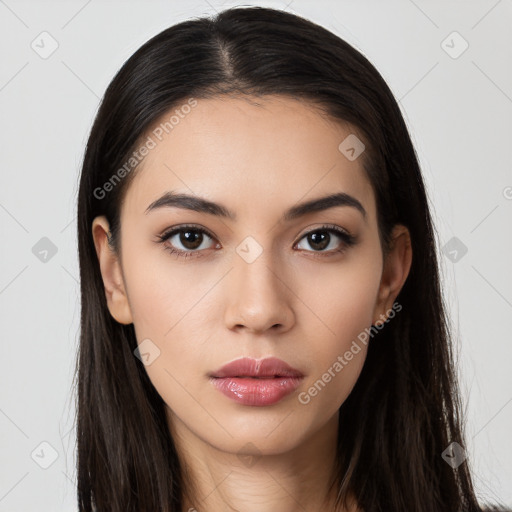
320 238
193 241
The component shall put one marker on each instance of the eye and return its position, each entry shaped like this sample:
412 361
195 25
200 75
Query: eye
186 241
323 241
190 238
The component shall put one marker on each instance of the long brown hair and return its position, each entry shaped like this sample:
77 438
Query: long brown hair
404 410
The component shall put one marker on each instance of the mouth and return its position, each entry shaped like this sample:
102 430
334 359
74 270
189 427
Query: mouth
256 382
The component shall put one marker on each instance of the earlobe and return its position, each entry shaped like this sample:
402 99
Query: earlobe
112 276
397 265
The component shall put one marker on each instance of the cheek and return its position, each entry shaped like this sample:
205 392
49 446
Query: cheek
165 295
167 310
342 299
171 305
339 352
340 312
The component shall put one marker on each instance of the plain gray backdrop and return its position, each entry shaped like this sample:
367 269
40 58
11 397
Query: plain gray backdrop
448 64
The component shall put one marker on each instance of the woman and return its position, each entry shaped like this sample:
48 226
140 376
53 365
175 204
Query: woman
262 323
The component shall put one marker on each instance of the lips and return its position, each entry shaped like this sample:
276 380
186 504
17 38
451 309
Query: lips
271 367
256 382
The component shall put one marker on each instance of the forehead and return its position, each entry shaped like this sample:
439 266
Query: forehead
255 154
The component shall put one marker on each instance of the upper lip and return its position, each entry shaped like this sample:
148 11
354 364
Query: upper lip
248 367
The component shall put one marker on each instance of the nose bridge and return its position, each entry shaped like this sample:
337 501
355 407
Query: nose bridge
259 297
258 275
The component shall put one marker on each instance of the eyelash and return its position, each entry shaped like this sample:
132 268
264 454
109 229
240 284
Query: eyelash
347 239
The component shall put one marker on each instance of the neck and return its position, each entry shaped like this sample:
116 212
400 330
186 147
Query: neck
218 480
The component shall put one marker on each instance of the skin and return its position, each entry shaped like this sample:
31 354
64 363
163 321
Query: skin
206 310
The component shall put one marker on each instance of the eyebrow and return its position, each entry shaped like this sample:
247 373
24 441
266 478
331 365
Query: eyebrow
201 205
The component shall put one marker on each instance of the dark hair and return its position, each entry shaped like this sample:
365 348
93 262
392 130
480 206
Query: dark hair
404 410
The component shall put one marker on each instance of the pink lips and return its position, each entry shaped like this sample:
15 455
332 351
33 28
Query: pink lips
256 382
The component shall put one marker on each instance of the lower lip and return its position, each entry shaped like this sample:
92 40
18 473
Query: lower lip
256 392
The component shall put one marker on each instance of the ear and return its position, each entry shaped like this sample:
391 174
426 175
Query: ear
110 268
397 264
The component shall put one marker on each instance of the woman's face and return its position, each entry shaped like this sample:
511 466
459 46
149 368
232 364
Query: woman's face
254 284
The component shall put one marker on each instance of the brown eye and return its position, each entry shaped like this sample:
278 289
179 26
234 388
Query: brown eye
190 238
332 238
319 240
186 240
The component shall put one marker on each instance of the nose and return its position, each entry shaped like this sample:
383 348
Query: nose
259 296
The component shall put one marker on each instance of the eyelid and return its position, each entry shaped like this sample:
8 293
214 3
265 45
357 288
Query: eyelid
327 227
176 229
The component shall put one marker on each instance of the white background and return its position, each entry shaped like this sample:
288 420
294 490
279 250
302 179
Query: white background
459 114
